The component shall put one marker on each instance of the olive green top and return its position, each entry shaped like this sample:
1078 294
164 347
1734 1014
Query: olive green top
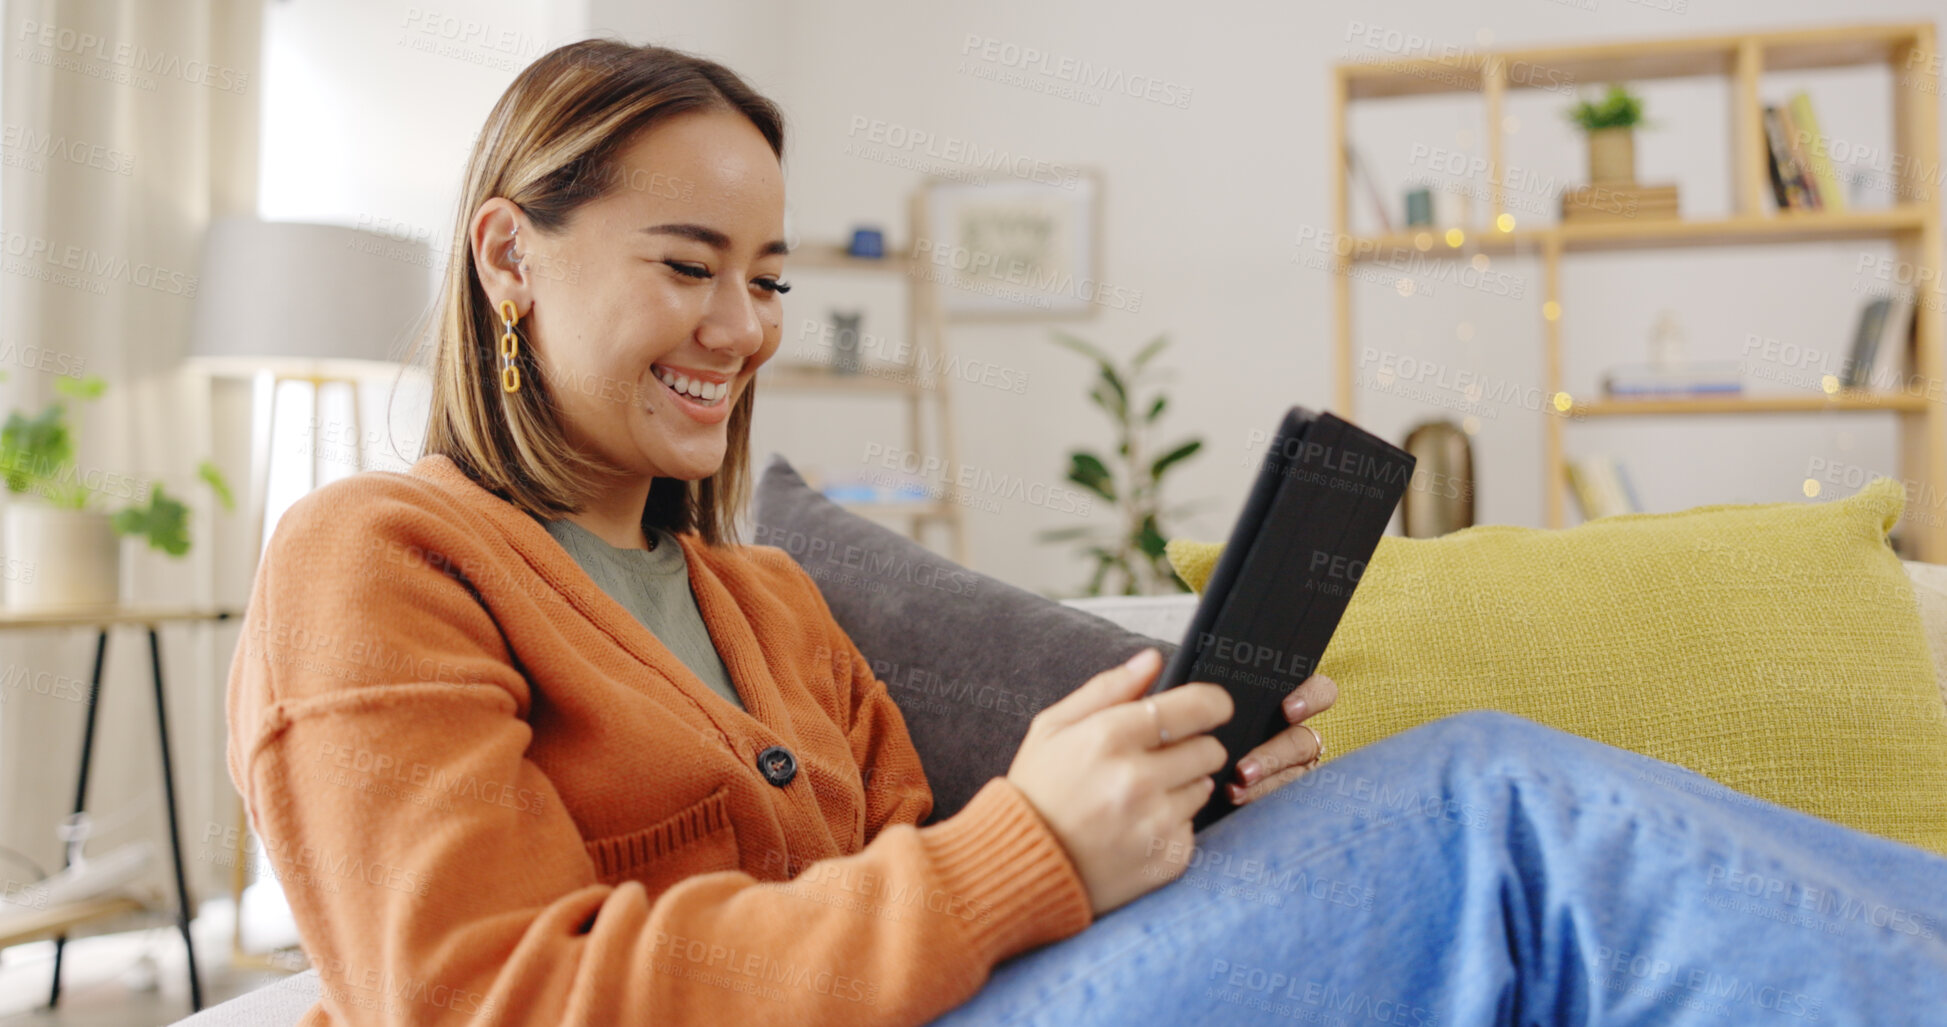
654 586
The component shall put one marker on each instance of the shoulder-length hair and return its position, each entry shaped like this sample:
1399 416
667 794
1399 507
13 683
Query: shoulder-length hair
551 144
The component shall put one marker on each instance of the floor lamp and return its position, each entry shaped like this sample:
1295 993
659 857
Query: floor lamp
322 304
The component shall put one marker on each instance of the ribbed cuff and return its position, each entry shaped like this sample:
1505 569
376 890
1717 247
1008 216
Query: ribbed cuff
999 856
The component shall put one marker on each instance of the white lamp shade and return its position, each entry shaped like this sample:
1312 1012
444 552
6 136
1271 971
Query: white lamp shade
304 298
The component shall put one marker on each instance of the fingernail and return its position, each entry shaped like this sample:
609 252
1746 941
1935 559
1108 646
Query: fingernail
1236 794
1248 771
1135 662
1294 706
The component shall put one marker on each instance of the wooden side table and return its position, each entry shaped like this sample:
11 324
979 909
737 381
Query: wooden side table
104 619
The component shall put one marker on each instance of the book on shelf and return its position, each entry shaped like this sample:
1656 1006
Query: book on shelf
1602 487
1800 168
1811 142
1688 378
1619 203
1880 342
1787 178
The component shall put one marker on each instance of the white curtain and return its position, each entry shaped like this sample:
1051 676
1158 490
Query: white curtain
128 124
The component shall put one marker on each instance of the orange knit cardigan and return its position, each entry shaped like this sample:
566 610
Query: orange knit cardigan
491 795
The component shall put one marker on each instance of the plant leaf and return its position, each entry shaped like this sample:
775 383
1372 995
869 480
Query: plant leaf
34 452
1180 453
1063 534
1087 470
210 473
1121 392
1149 350
1156 409
165 522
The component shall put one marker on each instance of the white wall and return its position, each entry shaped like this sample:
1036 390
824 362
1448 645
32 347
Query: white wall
1204 210
1205 206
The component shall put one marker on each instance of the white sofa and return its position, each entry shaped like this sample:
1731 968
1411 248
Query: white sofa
1163 617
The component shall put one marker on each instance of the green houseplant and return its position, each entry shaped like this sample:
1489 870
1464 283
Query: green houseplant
1611 126
1131 481
61 545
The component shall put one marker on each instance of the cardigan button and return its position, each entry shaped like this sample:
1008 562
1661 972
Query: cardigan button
778 765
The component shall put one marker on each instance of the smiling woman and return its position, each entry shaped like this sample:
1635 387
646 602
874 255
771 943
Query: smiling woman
629 203
530 737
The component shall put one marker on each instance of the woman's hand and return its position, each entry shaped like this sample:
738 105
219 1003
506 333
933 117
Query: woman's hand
1117 797
1286 756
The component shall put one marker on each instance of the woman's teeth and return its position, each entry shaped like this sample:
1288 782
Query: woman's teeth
706 393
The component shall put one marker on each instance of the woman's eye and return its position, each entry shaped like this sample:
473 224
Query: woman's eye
772 285
688 270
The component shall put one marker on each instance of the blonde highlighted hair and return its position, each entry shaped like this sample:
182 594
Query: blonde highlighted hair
551 144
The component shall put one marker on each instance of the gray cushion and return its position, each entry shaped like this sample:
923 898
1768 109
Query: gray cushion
969 659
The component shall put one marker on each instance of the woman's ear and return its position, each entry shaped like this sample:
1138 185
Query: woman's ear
499 252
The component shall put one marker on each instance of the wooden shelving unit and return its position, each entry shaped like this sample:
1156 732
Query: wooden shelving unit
1914 226
926 333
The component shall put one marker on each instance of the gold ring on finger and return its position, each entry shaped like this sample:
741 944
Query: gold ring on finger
1320 740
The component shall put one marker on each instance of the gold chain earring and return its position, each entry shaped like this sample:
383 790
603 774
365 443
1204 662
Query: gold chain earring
510 348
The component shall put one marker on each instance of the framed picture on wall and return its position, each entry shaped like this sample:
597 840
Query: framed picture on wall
1018 248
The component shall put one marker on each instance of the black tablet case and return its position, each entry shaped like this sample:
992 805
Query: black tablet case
1323 497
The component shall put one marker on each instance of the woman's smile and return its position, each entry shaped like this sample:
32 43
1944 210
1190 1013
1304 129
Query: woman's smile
703 395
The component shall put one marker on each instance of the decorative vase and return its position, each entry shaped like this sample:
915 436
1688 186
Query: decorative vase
60 558
1440 498
1612 156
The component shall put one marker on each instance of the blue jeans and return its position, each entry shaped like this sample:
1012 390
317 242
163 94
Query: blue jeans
1484 869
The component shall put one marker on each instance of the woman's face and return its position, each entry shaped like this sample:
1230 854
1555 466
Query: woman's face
664 288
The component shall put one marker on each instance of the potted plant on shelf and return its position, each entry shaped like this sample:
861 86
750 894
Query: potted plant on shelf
1611 126
61 548
1132 480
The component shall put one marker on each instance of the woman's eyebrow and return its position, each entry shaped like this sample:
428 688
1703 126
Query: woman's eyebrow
713 238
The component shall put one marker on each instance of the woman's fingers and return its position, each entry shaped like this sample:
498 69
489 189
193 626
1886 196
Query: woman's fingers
1179 713
1286 754
1265 786
1116 685
1314 695
1182 762
1187 798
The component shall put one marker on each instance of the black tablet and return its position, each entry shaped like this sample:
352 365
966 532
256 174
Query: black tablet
1323 497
